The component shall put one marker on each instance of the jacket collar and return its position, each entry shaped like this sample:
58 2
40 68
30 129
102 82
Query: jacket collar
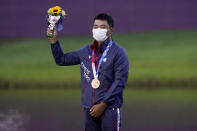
103 45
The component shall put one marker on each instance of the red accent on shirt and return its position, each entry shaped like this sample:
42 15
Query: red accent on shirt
95 60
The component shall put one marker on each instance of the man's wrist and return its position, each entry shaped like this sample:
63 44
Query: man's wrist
103 104
53 40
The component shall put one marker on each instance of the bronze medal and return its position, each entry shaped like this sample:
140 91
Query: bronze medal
95 83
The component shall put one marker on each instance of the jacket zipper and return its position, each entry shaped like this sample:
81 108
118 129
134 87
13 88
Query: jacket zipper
93 92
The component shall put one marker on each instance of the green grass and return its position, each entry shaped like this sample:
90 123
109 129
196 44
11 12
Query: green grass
165 55
161 94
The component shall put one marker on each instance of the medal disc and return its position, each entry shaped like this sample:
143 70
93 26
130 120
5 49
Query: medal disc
95 83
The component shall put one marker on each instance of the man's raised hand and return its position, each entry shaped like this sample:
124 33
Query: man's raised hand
53 39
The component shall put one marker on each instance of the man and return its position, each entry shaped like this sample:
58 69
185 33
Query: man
104 72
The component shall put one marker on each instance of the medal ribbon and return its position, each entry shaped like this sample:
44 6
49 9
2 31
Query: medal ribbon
95 73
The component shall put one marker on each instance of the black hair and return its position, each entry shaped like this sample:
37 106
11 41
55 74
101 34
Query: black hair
104 16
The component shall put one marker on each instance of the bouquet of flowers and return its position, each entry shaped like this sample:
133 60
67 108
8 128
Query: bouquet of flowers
55 17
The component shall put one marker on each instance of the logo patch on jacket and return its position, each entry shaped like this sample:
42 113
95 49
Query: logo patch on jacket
105 59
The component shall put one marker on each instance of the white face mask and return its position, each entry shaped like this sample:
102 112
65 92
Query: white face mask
99 34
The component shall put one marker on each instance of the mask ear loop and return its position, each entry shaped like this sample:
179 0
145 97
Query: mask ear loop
110 32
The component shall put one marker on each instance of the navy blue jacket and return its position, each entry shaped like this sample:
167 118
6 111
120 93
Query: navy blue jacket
113 72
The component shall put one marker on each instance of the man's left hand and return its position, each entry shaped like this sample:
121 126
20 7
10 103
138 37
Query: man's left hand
98 109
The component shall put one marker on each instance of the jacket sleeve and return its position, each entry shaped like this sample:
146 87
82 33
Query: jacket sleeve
70 58
121 71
